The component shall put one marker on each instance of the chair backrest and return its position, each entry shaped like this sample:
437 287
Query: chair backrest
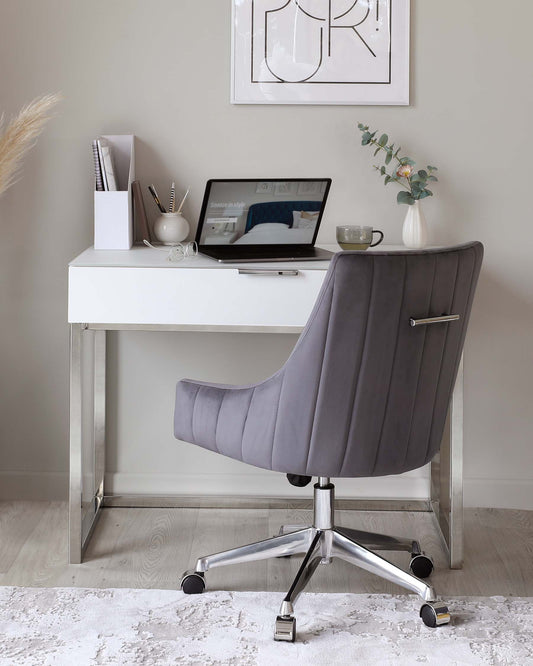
364 393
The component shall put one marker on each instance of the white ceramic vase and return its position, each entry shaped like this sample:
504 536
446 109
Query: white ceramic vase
171 228
415 230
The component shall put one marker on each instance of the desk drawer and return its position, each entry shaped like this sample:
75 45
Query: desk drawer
192 298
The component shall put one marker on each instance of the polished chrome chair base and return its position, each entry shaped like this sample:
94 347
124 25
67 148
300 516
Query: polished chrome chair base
320 543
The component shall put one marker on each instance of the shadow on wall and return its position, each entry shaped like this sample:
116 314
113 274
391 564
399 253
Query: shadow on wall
151 168
498 359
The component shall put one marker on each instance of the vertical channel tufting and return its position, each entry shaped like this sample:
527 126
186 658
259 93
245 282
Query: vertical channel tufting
391 375
375 367
319 383
454 355
424 332
300 378
414 299
224 393
245 420
443 356
276 423
359 395
355 387
192 413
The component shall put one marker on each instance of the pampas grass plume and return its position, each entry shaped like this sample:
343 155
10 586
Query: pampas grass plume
20 135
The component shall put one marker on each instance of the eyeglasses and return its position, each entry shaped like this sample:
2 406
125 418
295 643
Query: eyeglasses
182 251
177 252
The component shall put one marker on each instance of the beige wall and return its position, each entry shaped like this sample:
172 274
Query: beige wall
161 69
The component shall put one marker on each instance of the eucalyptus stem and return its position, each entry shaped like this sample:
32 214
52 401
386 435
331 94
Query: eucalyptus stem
387 148
405 175
394 178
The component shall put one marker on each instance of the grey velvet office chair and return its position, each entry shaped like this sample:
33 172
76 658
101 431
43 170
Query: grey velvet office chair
364 393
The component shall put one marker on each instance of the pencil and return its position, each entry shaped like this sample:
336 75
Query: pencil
183 201
156 198
171 205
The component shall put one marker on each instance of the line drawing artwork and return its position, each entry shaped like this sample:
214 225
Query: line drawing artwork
304 42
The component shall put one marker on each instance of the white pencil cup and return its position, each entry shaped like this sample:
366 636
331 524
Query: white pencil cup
171 228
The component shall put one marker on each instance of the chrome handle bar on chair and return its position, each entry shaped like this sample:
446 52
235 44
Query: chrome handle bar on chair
433 320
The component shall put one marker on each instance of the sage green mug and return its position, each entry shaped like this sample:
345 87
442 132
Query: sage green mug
351 237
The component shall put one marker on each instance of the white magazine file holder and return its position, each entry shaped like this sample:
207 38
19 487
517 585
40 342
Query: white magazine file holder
113 211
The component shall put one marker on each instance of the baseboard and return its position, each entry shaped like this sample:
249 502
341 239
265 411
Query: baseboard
49 486
53 486
413 485
499 493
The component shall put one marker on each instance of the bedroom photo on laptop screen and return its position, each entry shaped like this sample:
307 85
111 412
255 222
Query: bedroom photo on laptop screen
262 212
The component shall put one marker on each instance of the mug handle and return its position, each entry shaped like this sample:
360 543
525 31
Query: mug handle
377 231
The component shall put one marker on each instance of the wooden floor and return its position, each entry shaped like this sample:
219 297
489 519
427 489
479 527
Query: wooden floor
150 548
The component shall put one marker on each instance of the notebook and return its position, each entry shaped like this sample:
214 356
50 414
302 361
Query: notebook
262 220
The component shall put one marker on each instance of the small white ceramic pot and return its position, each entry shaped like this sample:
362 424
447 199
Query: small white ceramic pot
171 228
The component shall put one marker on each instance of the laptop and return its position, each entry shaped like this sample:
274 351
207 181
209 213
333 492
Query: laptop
262 219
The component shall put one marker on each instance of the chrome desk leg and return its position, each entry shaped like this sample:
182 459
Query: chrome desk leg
456 473
86 486
75 474
447 478
99 415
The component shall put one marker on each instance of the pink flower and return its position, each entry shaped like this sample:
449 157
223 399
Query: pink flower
404 171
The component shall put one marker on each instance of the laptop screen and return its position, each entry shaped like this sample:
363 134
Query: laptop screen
262 212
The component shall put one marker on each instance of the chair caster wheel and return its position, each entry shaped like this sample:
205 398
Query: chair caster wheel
285 628
193 582
421 565
434 613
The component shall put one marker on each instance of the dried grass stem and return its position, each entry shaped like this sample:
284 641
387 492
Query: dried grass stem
20 135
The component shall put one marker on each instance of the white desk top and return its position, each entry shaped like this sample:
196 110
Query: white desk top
120 289
141 256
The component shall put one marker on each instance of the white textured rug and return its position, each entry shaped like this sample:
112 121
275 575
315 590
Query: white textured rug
82 627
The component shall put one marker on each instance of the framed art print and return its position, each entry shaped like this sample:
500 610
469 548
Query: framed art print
320 52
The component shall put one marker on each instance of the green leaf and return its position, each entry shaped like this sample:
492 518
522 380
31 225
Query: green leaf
425 193
434 178
423 174
407 160
387 179
432 168
383 139
405 197
365 139
416 178
377 151
388 157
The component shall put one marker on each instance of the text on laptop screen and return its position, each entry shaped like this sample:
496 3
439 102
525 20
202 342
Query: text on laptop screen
257 212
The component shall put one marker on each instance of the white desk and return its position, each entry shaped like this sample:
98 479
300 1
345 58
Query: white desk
139 289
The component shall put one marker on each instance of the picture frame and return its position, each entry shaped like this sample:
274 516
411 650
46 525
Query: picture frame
320 52
309 188
285 189
264 187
